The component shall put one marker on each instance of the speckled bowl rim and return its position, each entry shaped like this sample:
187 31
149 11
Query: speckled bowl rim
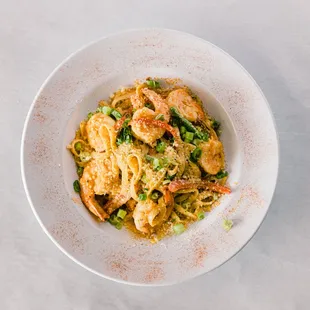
27 120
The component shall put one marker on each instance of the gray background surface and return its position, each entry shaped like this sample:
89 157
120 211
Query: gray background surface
272 40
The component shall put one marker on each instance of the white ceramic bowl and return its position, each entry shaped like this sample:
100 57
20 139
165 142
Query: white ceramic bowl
93 73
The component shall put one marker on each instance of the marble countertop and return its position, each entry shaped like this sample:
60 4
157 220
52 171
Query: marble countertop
271 39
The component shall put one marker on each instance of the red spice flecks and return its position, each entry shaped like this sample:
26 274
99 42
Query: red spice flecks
154 274
40 151
200 253
67 232
39 117
120 269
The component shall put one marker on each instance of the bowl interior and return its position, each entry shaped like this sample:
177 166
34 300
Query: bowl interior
229 94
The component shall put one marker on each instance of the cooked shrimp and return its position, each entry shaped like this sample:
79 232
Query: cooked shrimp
186 105
148 214
146 132
212 157
100 177
87 183
159 103
98 134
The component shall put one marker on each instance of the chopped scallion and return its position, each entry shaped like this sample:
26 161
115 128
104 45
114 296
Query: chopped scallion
142 196
155 195
121 213
105 110
160 117
189 136
78 146
200 216
76 186
79 171
196 154
89 115
183 130
153 83
178 228
116 114
222 174
160 147
227 224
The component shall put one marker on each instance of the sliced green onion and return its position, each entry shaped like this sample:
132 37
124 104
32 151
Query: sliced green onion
142 196
115 221
78 146
215 124
170 177
153 83
85 156
227 224
196 154
105 110
160 117
156 164
197 142
79 171
187 124
166 182
121 213
160 147
149 105
76 186
205 136
178 228
90 114
116 114
183 130
144 179
200 216
149 158
155 195
189 136
222 174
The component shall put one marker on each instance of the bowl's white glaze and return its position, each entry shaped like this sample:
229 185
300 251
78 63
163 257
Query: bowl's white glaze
93 73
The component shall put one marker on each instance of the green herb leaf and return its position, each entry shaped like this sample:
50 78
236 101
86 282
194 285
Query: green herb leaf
89 115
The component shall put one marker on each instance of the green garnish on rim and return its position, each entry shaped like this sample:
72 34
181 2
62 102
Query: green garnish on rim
227 224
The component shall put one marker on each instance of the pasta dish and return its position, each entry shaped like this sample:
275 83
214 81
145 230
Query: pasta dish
150 159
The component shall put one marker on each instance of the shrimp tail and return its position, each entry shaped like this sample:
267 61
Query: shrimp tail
177 185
